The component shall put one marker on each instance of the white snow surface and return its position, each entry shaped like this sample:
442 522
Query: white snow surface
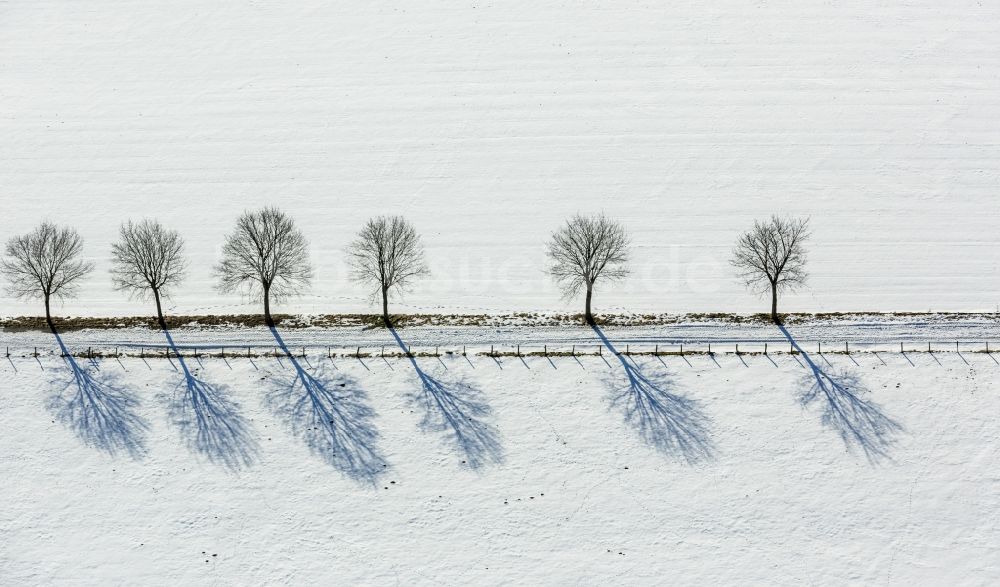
487 124
116 486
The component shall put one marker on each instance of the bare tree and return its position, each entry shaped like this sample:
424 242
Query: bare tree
148 259
585 250
771 256
387 254
265 257
44 264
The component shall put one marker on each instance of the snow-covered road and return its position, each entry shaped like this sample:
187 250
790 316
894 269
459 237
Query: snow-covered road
879 334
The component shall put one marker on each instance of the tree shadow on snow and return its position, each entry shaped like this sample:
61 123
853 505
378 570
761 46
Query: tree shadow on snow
861 423
460 411
99 410
673 424
330 412
210 422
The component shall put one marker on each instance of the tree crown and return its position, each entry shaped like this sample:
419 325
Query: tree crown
45 263
772 253
146 258
388 254
266 252
586 249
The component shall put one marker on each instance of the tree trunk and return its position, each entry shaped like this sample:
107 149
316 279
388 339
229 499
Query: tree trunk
159 310
385 307
774 304
588 316
267 307
48 316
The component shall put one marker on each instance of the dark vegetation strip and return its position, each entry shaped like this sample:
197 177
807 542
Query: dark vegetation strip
289 321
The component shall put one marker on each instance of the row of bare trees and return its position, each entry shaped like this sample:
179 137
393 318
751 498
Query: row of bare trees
266 258
769 258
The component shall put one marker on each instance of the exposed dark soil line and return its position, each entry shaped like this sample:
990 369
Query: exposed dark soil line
286 321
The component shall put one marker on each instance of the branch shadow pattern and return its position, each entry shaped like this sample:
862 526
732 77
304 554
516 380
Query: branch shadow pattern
861 423
330 412
673 424
210 422
459 410
99 410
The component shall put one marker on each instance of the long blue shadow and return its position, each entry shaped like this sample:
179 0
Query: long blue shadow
99 410
673 424
459 410
210 422
861 423
330 412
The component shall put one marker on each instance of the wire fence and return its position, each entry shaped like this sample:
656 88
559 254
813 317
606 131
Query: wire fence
512 350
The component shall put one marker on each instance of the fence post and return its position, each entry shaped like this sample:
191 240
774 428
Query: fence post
573 351
626 351
928 346
820 347
765 348
682 348
956 347
545 350
901 348
847 347
358 354
463 350
710 348
737 348
519 350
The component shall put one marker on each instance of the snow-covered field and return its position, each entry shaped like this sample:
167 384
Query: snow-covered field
560 470
487 124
